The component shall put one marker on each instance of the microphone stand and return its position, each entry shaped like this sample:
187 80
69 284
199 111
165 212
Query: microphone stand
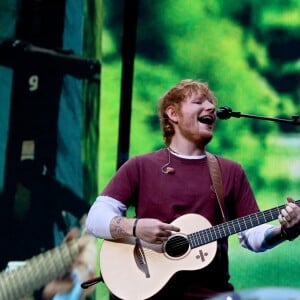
295 120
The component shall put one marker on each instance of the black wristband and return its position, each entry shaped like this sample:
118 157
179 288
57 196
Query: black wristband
134 227
289 233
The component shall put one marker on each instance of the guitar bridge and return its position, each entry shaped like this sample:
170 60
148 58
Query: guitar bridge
140 258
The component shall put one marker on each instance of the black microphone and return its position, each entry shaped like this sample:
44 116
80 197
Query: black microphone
226 112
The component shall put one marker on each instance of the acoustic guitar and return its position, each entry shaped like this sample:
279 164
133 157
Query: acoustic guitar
134 270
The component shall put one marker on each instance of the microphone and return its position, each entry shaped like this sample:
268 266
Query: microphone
225 112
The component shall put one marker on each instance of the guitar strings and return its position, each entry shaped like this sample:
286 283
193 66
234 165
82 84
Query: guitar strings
213 233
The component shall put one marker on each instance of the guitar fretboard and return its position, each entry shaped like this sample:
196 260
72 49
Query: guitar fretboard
37 271
222 230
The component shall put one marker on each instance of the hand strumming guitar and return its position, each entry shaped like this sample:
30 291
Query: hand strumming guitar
147 229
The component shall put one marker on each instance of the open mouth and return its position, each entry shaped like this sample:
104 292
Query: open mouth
208 119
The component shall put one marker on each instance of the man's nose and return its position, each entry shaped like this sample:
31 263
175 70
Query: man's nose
209 106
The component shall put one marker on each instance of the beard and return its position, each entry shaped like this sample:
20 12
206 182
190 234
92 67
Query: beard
200 138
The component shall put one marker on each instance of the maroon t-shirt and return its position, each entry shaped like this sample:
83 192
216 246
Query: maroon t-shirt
141 182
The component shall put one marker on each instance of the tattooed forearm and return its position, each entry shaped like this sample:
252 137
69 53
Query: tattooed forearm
118 227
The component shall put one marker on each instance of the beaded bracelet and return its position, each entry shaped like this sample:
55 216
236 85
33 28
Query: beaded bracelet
134 227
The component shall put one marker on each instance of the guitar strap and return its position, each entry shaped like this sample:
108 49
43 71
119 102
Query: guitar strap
215 174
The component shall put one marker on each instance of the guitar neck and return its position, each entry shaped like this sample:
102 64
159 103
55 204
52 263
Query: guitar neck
222 230
37 271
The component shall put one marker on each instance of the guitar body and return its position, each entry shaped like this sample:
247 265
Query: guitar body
134 270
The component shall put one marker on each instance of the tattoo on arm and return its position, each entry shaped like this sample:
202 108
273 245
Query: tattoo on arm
117 227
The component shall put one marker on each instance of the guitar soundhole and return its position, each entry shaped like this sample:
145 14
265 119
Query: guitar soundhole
177 246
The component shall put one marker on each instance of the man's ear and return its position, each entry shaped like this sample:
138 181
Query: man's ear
172 113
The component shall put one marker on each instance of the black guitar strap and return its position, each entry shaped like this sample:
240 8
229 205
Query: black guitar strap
215 174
